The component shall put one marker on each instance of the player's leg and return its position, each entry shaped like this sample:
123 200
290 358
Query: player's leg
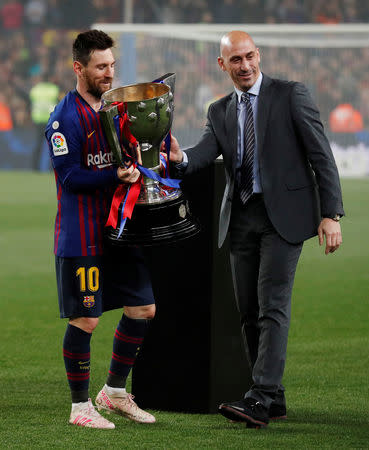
128 338
80 300
131 284
76 353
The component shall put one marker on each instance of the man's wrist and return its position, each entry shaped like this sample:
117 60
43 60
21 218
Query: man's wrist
336 217
183 163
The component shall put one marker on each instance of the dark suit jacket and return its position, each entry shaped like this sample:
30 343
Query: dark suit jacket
298 173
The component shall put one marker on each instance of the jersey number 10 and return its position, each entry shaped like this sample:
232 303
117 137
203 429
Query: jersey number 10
91 280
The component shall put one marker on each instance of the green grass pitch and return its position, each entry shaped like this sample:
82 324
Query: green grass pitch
327 372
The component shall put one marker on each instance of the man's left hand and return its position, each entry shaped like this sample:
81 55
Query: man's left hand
129 174
331 229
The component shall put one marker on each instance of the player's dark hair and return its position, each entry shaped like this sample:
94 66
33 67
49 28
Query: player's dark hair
89 41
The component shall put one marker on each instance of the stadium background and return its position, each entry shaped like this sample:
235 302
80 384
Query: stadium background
327 367
36 65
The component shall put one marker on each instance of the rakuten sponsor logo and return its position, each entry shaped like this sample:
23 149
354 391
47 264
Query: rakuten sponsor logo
100 160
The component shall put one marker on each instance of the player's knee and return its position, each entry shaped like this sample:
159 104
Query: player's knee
90 323
140 312
87 324
150 312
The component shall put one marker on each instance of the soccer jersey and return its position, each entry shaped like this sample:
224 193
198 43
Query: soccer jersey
85 176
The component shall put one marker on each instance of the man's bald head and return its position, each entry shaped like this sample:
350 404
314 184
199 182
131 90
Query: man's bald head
240 58
234 38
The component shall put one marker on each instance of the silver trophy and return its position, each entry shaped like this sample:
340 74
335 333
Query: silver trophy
161 214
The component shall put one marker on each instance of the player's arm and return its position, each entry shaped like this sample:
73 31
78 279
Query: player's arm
66 160
78 179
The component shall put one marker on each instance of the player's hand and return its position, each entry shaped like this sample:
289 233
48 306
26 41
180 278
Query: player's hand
176 155
331 230
128 174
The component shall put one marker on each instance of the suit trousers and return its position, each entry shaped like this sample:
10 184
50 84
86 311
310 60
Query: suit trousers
263 269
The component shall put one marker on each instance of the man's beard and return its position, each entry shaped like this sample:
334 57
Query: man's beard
95 91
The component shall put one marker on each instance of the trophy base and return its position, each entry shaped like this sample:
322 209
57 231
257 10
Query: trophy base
156 224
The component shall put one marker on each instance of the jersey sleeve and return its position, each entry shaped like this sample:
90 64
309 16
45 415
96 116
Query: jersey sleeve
66 139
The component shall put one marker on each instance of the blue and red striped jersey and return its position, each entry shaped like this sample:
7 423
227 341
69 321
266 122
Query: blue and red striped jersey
85 176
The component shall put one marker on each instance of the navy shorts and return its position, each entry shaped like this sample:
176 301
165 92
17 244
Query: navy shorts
90 285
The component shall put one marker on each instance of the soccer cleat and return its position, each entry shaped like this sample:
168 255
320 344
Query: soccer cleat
246 410
277 412
85 415
124 406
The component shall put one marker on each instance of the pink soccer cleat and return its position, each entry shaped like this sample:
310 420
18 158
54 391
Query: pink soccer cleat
85 415
124 406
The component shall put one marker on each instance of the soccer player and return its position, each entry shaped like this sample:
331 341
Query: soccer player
91 276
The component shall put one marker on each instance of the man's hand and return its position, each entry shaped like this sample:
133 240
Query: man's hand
176 155
332 232
128 174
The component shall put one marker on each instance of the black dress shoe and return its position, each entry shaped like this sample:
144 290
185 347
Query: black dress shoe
277 412
247 410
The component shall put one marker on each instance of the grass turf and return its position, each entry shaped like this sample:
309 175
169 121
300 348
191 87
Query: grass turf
327 367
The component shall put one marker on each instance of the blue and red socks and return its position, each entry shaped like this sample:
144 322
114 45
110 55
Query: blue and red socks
128 338
76 352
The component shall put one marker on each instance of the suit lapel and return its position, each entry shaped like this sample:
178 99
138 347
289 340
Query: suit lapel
231 127
264 102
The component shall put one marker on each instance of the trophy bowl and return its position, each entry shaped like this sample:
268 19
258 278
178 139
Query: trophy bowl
161 214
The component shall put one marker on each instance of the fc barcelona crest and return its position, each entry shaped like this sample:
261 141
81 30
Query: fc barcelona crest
88 301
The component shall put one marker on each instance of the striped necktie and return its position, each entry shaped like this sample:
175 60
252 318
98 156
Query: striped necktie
247 165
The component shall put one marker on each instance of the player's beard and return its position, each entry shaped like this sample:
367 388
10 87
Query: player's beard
95 90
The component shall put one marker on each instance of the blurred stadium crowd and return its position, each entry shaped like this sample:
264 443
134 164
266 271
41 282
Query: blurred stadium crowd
37 35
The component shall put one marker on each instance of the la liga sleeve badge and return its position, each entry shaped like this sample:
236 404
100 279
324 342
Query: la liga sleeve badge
59 144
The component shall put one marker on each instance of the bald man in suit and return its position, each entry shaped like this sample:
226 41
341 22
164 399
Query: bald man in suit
282 187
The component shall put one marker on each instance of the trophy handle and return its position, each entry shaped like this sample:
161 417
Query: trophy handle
107 115
169 79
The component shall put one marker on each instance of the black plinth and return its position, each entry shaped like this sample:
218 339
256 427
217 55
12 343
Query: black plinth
156 224
193 358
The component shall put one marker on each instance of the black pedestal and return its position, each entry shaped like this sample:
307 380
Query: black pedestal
193 358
